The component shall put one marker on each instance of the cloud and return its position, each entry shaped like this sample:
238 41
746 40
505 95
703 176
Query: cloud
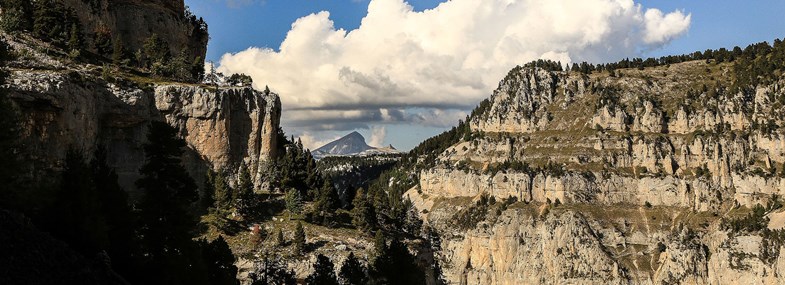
403 65
378 134
313 142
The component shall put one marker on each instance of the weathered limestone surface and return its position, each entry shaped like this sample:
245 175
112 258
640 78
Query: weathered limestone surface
644 168
133 21
73 110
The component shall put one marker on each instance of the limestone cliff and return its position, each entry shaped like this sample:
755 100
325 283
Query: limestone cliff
623 178
133 21
70 108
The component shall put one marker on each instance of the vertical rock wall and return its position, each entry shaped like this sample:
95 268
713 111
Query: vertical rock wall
223 127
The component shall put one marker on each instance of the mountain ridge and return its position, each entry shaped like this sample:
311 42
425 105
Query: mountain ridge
352 144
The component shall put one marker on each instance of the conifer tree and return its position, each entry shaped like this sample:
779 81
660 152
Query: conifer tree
323 272
222 194
219 198
76 215
293 201
299 238
75 38
363 215
353 272
102 41
170 254
280 240
119 53
220 262
245 197
326 203
17 15
119 217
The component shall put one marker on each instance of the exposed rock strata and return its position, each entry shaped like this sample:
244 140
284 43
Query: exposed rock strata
621 179
64 110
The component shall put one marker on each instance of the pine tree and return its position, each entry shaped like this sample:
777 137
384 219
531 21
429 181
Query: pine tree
293 201
181 68
353 272
102 41
280 240
245 197
394 264
197 69
220 262
323 272
170 254
119 217
220 198
46 25
299 238
222 194
363 215
76 216
156 55
119 53
379 246
16 15
326 203
212 77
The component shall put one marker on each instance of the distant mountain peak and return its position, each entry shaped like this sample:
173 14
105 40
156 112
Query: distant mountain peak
349 145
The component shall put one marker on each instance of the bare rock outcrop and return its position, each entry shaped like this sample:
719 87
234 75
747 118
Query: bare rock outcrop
63 110
133 21
601 179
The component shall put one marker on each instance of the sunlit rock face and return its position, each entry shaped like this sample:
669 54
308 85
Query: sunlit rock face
610 179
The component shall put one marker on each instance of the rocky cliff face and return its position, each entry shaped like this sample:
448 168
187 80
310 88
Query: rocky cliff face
611 179
76 109
133 21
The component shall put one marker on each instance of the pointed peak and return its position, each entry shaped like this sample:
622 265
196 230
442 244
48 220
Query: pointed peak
355 134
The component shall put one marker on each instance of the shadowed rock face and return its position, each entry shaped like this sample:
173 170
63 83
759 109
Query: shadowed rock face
223 128
133 21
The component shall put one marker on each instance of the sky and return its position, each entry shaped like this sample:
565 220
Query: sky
402 71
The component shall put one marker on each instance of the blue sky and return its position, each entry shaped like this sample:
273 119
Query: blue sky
237 25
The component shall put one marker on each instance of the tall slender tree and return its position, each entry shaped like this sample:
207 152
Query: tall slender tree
299 238
363 215
171 257
245 197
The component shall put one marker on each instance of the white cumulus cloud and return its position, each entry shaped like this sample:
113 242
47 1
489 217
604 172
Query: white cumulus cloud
378 134
401 63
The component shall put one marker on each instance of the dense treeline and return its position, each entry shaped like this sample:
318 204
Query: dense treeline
350 173
755 64
52 21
